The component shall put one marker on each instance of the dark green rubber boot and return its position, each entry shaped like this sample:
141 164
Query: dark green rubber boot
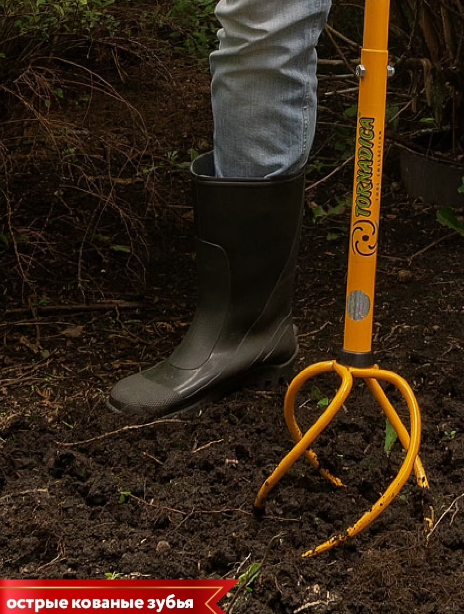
247 236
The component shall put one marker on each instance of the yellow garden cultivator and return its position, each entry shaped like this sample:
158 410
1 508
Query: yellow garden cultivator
357 360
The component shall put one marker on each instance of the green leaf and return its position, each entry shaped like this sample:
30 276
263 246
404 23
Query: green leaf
124 496
121 248
97 238
447 217
336 234
351 111
250 575
318 212
338 209
112 575
392 117
317 395
390 437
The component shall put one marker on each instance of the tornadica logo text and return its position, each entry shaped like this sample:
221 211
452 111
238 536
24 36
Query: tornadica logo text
364 184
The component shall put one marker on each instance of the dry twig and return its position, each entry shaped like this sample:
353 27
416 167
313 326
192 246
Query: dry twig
131 427
447 511
207 445
331 174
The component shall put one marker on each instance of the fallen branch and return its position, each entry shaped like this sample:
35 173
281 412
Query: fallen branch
433 244
27 372
409 259
348 41
330 34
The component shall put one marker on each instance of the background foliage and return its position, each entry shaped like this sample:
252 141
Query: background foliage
61 58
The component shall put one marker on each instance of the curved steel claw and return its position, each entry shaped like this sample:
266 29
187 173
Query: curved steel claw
410 442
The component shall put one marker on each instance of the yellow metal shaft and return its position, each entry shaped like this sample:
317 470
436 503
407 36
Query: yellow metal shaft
362 259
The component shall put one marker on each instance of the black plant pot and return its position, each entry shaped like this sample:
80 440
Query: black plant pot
435 179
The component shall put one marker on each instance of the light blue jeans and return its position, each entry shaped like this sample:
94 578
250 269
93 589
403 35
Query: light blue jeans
264 85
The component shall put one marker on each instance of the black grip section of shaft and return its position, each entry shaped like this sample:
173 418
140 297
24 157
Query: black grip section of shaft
359 360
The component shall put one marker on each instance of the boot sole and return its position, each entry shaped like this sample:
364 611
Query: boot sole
261 378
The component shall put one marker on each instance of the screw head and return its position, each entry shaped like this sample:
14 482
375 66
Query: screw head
360 71
390 71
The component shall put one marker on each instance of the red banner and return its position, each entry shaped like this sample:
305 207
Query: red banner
116 596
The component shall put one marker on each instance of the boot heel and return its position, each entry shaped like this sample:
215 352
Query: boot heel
269 377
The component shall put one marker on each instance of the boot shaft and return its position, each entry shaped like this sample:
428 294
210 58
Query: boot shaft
256 225
247 238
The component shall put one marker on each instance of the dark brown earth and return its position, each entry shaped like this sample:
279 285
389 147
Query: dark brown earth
84 496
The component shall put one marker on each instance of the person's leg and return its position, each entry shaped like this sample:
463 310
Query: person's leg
264 85
248 222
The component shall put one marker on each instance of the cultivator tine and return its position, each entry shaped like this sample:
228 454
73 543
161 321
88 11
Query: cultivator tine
304 442
395 421
289 411
410 443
